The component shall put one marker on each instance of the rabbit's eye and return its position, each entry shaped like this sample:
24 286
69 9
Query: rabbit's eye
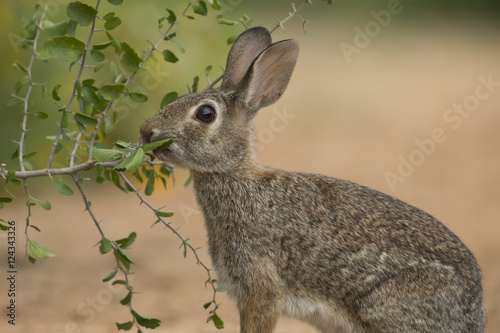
205 114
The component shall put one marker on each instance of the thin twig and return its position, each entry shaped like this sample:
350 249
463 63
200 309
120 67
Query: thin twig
74 92
185 242
62 171
24 123
149 53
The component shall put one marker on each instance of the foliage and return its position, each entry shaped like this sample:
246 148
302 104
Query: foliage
88 114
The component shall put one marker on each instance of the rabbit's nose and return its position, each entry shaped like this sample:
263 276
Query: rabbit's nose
147 132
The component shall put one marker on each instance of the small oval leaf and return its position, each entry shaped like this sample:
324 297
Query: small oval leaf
64 48
39 251
63 188
169 56
81 13
105 246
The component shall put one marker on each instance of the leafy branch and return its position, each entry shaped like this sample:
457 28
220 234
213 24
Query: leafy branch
82 130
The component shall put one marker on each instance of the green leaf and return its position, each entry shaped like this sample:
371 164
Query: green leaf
215 4
124 258
218 323
179 47
112 91
132 161
123 282
171 16
41 115
207 305
165 171
126 242
90 95
20 66
126 300
137 97
31 259
64 48
128 325
221 20
162 144
13 101
114 43
5 199
72 24
164 214
97 55
85 120
115 2
81 13
188 181
29 30
30 155
186 244
169 56
105 246
55 93
66 119
63 188
20 83
122 144
150 186
57 29
130 60
112 23
200 8
101 46
11 180
44 204
168 98
110 275
208 69
230 40
145 321
194 86
38 250
115 178
35 227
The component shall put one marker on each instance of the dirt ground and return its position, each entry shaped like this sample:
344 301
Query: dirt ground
357 121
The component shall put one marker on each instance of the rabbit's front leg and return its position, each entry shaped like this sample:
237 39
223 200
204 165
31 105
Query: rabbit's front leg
259 313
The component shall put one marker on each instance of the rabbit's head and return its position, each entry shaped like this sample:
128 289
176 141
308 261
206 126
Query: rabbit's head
213 130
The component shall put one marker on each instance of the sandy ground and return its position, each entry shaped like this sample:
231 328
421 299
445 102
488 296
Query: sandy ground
356 121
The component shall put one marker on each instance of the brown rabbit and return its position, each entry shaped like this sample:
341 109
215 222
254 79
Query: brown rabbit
343 257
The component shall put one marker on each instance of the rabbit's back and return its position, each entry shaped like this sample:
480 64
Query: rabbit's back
331 243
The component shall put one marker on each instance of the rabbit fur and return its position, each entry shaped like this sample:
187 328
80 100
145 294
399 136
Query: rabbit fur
341 256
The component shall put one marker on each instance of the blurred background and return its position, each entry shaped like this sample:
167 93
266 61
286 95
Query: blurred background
401 96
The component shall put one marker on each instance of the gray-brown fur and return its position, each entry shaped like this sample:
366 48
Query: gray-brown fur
338 255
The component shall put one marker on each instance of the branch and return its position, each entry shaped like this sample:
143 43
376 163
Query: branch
62 171
185 242
129 79
73 94
24 123
295 12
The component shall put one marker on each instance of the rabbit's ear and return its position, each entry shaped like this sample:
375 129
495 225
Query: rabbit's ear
245 49
269 74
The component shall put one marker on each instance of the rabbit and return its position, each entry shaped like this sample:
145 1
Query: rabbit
335 254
